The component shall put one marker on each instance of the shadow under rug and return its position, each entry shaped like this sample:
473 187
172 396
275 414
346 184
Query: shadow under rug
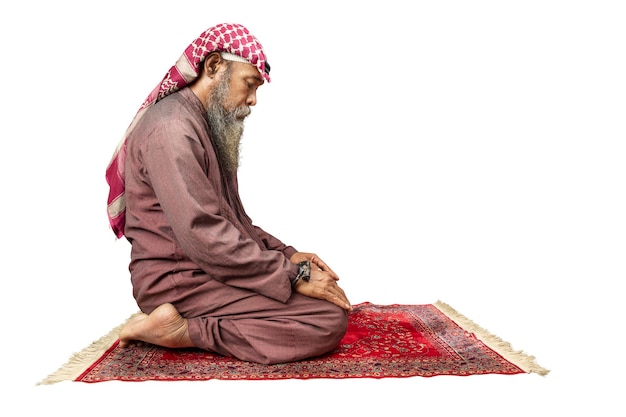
382 341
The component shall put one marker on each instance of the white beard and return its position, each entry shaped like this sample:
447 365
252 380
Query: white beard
226 126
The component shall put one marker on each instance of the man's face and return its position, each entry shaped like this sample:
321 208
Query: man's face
244 81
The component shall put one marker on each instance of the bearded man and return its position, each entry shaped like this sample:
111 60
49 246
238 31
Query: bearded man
202 273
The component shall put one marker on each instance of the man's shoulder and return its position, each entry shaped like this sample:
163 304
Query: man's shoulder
176 109
174 115
179 102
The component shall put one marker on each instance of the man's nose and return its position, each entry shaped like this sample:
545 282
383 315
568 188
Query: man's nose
251 101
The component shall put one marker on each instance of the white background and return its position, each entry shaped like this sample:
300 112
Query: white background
464 151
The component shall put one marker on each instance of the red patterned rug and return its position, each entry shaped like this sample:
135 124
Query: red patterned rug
382 341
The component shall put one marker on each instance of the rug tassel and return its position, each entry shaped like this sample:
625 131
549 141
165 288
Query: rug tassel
80 361
522 360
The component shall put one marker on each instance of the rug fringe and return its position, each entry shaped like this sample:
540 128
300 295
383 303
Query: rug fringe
80 361
521 359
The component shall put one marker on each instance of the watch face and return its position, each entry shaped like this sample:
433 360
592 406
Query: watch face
305 268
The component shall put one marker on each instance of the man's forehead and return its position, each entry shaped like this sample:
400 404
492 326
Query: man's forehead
248 71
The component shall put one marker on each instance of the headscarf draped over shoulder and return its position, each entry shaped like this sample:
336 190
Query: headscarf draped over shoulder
235 43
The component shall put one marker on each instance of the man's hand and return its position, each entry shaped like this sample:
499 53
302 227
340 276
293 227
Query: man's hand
316 263
324 286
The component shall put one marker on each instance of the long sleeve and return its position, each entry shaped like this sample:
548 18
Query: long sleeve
273 243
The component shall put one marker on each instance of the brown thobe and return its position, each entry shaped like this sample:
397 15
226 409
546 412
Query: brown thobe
194 246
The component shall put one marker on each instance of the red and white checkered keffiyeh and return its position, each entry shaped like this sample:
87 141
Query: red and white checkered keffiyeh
231 38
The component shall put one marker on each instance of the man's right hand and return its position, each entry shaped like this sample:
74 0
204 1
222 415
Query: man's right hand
322 285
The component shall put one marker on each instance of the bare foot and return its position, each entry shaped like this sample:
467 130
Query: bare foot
164 327
124 343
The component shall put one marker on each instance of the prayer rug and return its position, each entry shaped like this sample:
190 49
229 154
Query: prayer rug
382 341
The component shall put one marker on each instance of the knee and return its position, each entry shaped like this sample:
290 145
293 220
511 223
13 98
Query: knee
337 326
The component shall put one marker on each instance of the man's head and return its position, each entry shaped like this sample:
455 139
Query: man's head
235 43
227 86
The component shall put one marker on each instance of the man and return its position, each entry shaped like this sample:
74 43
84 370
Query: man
203 275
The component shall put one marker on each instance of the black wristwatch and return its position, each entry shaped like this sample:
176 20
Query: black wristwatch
304 273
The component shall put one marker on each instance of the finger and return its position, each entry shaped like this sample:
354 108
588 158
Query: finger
328 291
324 267
338 301
344 297
339 297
